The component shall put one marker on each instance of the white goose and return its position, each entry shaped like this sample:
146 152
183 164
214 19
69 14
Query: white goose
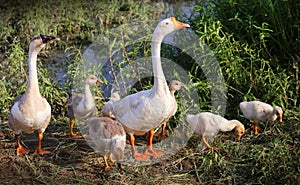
141 112
207 125
109 137
31 111
174 86
82 106
257 111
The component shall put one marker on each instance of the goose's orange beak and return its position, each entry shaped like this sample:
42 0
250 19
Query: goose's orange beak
280 118
99 81
179 25
239 136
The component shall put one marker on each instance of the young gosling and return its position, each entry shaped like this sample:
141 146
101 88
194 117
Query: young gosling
207 125
82 106
109 137
257 111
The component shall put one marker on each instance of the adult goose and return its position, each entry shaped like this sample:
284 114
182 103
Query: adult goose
207 125
31 111
141 112
82 106
174 86
109 137
258 111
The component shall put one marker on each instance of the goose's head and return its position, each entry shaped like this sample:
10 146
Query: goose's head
169 25
92 79
278 112
239 129
176 85
39 41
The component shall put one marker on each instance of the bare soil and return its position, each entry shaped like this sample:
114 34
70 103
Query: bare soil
73 161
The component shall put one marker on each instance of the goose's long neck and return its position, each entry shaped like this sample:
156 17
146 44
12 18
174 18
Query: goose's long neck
32 86
172 91
89 100
160 84
229 125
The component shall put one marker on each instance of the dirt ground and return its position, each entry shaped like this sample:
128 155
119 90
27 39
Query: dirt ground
66 155
73 161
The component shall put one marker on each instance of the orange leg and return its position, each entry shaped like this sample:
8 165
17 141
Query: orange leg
207 145
163 128
111 158
255 128
20 149
135 154
150 151
71 128
107 167
205 142
39 149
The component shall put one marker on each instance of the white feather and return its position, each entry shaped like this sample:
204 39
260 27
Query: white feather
39 118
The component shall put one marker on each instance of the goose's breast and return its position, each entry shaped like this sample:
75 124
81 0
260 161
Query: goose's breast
144 113
31 116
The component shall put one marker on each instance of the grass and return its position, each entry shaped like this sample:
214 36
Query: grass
258 56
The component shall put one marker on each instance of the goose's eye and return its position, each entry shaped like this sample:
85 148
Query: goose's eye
167 23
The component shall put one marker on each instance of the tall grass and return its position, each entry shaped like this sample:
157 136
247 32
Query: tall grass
257 46
252 49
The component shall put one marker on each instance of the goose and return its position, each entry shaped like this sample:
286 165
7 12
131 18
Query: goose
107 109
174 86
81 106
143 111
31 111
207 125
108 136
258 111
